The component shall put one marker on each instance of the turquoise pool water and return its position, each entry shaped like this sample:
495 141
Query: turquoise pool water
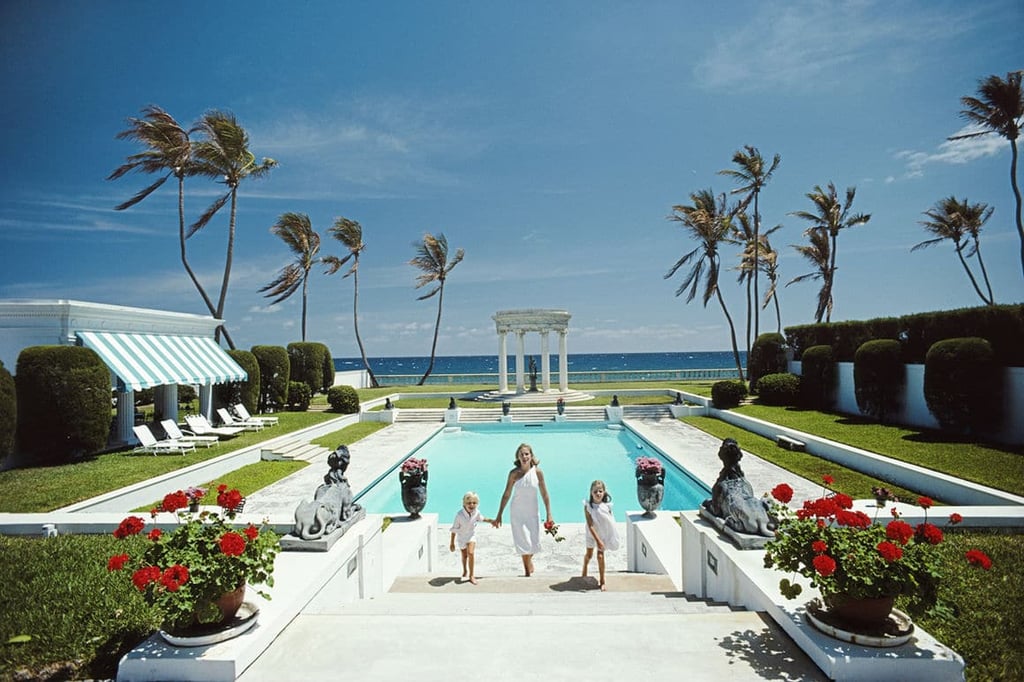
572 454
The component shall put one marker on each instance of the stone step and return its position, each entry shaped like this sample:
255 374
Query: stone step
294 449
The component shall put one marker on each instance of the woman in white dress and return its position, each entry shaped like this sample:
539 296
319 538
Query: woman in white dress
602 533
522 486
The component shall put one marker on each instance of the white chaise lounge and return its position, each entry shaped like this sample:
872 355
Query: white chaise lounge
149 443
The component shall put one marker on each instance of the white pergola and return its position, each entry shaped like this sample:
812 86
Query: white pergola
522 322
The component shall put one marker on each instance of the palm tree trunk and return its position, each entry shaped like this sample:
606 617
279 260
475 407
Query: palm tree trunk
437 328
227 263
984 273
778 314
1016 196
974 282
305 281
757 268
355 326
749 315
732 334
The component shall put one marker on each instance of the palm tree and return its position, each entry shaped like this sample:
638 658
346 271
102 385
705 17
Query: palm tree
432 259
709 221
770 267
817 252
954 220
350 233
167 150
999 108
753 252
831 217
752 177
298 234
223 153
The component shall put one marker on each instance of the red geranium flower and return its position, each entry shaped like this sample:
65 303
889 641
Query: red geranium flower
889 551
144 576
824 564
117 562
229 499
901 531
130 526
925 502
819 547
175 501
232 544
856 519
843 501
978 558
929 532
783 493
955 518
251 532
828 479
174 577
154 534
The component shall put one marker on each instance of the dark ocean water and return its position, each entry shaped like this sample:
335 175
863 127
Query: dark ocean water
577 362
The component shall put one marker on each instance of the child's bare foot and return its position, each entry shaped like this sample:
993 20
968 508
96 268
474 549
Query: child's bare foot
472 580
464 573
602 587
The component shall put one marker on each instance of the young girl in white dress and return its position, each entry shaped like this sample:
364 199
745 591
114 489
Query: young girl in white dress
464 532
602 532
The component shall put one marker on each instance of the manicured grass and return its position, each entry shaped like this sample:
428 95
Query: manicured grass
1000 467
46 488
848 481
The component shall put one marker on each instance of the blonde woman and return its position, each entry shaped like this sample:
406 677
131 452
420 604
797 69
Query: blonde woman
525 480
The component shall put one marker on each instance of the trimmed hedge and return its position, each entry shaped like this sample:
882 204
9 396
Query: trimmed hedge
343 399
328 369
275 373
299 396
767 356
246 392
1000 325
306 360
8 412
728 393
878 378
63 395
818 378
779 390
963 384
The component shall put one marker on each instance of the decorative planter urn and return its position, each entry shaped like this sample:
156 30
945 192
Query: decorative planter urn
650 490
414 492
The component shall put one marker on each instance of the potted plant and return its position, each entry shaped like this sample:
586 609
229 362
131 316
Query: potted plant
650 484
196 574
195 495
859 565
413 477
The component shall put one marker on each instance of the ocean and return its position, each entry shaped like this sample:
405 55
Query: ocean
652 365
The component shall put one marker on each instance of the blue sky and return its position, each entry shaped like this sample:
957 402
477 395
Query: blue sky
548 140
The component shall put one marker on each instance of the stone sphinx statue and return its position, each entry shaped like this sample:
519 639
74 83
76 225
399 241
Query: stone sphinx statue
331 507
732 497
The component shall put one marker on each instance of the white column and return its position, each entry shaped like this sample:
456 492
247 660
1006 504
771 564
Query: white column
206 401
563 363
545 363
502 364
520 350
125 417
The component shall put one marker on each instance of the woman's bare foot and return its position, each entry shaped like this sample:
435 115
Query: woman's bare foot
602 587
472 580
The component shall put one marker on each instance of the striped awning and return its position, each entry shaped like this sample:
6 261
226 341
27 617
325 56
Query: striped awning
146 360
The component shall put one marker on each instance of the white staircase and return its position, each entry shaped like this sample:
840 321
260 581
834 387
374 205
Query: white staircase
292 449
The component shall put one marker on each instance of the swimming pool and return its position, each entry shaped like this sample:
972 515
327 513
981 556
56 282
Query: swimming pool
572 454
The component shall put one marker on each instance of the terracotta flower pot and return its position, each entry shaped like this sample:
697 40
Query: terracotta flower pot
867 612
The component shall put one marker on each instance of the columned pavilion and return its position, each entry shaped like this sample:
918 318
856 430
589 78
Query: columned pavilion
522 322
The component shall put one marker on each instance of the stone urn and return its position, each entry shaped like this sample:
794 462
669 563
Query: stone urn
414 492
650 491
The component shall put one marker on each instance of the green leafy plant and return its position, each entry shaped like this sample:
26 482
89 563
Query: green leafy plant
845 552
185 571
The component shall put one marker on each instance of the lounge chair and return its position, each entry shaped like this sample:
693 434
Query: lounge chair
227 420
199 425
150 444
244 415
174 432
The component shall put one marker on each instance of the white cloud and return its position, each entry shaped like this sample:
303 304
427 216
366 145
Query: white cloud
956 152
810 45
